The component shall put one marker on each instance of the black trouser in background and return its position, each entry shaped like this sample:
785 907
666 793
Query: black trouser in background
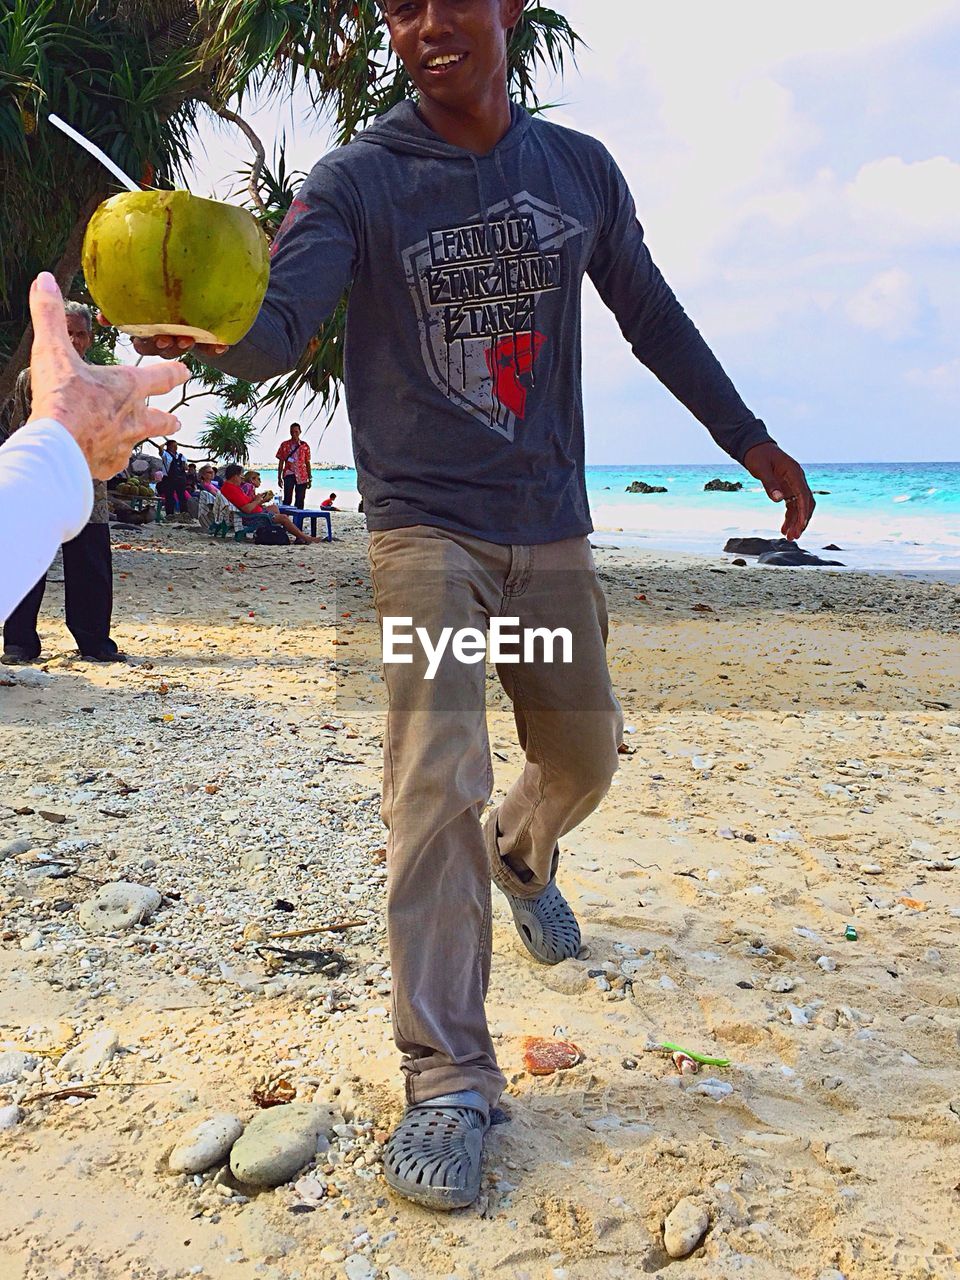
173 488
88 596
289 484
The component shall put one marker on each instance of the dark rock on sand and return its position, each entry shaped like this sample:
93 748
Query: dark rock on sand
795 558
722 486
641 486
756 546
777 552
832 547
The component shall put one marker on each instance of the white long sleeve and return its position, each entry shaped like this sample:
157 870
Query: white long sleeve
46 497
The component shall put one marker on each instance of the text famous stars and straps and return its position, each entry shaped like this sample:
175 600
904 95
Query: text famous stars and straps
476 286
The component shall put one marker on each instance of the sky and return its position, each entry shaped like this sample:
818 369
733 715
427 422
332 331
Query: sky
796 170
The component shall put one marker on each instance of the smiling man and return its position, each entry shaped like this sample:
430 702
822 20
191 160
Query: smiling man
465 227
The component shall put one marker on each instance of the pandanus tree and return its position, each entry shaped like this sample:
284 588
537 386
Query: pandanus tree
139 76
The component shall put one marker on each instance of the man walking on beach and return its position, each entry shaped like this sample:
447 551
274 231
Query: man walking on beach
87 560
463 386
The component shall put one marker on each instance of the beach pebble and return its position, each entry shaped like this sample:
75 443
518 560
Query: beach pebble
311 1190
10 1117
14 847
205 1144
827 964
91 1054
357 1267
254 859
14 1064
32 942
685 1226
277 1143
780 984
330 1253
798 1017
870 869
712 1088
118 906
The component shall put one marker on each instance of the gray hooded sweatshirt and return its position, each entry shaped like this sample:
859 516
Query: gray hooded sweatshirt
463 340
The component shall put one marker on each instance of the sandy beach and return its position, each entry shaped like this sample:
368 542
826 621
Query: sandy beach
794 746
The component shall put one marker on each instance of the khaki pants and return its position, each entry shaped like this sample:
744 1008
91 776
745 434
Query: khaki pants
438 776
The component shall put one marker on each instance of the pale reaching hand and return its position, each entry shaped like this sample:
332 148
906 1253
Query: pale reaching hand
103 408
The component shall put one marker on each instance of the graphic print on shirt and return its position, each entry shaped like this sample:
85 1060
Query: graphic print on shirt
475 287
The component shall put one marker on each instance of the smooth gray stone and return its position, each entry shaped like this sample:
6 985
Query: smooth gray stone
277 1143
205 1144
685 1226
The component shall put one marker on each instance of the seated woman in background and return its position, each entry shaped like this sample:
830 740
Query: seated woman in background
250 483
205 479
254 511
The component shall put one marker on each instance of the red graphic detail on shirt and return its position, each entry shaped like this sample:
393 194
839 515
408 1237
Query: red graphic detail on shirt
297 209
508 360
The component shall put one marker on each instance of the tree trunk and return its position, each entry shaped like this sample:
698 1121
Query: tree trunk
64 271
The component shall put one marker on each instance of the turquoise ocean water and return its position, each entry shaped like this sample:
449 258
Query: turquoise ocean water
883 515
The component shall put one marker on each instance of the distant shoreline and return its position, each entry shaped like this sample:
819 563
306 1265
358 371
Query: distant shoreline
885 517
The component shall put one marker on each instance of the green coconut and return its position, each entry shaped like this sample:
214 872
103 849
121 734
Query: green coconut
169 262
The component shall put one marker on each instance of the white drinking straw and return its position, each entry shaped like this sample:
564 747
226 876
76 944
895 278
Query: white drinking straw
94 151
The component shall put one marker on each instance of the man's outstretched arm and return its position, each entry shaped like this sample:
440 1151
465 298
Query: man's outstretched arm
665 339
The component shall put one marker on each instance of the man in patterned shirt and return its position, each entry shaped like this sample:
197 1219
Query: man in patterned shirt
87 563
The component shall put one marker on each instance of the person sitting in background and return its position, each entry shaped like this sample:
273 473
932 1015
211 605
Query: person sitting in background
205 479
192 478
327 503
294 472
253 507
251 486
83 421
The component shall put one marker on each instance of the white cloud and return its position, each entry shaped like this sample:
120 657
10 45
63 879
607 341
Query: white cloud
889 304
908 203
941 378
699 37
